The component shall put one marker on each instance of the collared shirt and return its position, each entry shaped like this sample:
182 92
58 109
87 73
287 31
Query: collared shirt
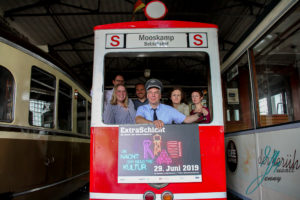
202 118
108 95
165 113
116 114
137 103
184 109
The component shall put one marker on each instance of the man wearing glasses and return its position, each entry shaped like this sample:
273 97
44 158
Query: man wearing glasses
157 113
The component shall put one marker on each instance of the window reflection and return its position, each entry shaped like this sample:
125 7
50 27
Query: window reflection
41 102
64 106
6 95
237 96
276 63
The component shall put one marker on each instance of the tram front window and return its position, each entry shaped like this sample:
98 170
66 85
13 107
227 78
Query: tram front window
188 70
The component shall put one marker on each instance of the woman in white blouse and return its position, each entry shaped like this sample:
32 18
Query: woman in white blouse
177 98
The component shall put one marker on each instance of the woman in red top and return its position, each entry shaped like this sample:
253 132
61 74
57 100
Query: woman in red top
203 112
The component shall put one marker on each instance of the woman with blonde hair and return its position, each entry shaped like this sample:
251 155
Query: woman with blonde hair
120 110
178 98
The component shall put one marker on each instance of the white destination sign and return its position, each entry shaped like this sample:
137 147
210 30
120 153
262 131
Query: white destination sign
156 40
152 40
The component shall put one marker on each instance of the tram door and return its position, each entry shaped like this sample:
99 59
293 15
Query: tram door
139 161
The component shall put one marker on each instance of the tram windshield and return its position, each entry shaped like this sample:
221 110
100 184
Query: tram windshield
189 71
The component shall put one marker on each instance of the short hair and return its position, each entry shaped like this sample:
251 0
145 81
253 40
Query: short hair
139 84
117 75
198 91
113 100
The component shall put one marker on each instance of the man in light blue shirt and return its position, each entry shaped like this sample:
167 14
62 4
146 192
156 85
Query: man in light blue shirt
157 113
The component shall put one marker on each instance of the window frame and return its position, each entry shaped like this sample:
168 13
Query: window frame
13 93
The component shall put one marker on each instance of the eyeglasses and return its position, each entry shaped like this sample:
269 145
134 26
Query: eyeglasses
154 93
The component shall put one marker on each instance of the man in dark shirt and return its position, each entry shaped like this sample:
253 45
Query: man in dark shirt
140 92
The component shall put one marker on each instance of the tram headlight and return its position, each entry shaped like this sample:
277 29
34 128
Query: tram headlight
167 195
149 195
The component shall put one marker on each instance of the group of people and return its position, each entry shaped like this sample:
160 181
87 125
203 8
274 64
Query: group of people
147 108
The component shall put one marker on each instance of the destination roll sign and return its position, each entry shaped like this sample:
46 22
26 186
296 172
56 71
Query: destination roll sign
150 155
156 40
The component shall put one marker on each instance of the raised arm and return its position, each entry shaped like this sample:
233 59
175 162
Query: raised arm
191 118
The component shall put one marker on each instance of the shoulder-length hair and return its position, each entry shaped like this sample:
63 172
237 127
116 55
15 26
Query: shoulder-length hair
113 100
183 98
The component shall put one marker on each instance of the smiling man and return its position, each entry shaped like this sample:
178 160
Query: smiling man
140 92
157 113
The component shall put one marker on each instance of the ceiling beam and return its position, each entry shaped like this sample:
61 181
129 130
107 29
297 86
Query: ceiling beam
73 40
11 12
72 50
68 14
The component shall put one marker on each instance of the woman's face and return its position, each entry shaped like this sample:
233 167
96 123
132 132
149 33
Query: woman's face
176 97
196 98
121 93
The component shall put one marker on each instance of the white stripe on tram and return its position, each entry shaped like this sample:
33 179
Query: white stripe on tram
207 195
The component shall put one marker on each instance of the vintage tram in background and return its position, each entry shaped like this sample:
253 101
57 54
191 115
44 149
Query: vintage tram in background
44 127
122 165
261 87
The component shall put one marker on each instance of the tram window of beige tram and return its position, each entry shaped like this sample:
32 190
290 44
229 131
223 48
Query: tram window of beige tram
81 114
64 106
89 118
41 102
188 70
237 96
277 72
6 95
275 65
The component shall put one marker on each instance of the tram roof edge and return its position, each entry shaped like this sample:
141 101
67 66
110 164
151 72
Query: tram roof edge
155 24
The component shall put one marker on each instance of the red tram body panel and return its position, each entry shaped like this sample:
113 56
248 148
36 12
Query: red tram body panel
104 150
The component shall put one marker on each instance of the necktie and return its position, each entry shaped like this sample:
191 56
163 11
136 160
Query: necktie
154 114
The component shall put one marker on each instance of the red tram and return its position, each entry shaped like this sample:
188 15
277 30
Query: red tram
120 165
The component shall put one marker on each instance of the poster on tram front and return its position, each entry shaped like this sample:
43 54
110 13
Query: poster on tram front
150 155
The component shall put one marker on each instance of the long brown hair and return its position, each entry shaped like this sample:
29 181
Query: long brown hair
114 100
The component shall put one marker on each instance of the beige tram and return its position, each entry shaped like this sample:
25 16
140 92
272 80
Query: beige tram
44 127
261 87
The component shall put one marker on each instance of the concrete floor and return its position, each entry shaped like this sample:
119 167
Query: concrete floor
81 194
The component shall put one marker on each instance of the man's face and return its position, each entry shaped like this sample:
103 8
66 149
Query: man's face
140 91
153 95
118 80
